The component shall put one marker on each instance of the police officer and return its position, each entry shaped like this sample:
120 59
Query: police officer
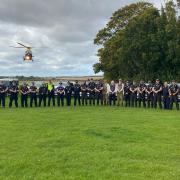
142 93
51 93
173 92
127 94
84 93
24 95
91 90
60 94
42 94
99 93
157 94
13 90
133 94
68 93
3 91
77 90
120 89
33 94
112 93
149 93
165 93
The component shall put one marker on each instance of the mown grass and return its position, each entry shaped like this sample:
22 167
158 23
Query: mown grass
89 143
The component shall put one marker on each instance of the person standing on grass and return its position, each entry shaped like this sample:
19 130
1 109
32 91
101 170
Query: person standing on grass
24 95
157 94
42 94
105 93
13 90
99 93
112 93
60 94
149 93
77 90
142 93
51 93
127 94
84 93
173 92
133 94
120 92
165 93
91 90
3 91
33 95
68 93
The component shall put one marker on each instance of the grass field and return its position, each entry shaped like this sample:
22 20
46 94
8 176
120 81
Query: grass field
93 143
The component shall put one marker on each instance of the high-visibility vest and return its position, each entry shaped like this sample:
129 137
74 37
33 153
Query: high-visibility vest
50 87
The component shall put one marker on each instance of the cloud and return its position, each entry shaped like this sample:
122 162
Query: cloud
62 32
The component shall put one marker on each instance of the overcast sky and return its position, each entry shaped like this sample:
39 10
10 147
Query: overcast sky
61 30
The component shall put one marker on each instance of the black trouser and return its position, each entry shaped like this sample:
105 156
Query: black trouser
166 102
99 98
150 100
42 97
51 96
127 100
92 98
84 98
68 99
174 99
142 99
24 98
133 99
157 98
77 98
60 99
2 99
112 98
13 97
33 99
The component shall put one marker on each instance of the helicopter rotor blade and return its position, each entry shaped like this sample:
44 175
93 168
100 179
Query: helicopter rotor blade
24 46
16 47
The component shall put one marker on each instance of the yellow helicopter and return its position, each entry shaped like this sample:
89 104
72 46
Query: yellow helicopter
28 52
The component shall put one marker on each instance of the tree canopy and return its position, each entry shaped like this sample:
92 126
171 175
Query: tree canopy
140 42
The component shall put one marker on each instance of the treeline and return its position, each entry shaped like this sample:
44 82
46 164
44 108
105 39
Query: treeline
141 42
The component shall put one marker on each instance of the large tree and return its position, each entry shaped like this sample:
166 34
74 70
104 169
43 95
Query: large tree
140 42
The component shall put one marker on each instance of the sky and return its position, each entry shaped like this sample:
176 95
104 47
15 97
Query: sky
61 32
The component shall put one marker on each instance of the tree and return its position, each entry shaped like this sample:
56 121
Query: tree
140 42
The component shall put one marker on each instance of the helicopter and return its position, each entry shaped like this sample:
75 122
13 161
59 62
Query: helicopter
28 56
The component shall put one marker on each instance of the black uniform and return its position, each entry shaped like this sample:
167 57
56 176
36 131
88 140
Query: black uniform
2 95
149 95
91 90
157 96
112 94
68 93
33 95
60 95
133 95
13 90
77 97
127 94
173 97
142 94
24 96
84 94
42 95
51 95
99 93
165 93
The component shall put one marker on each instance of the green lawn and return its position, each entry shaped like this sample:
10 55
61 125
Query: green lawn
89 143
